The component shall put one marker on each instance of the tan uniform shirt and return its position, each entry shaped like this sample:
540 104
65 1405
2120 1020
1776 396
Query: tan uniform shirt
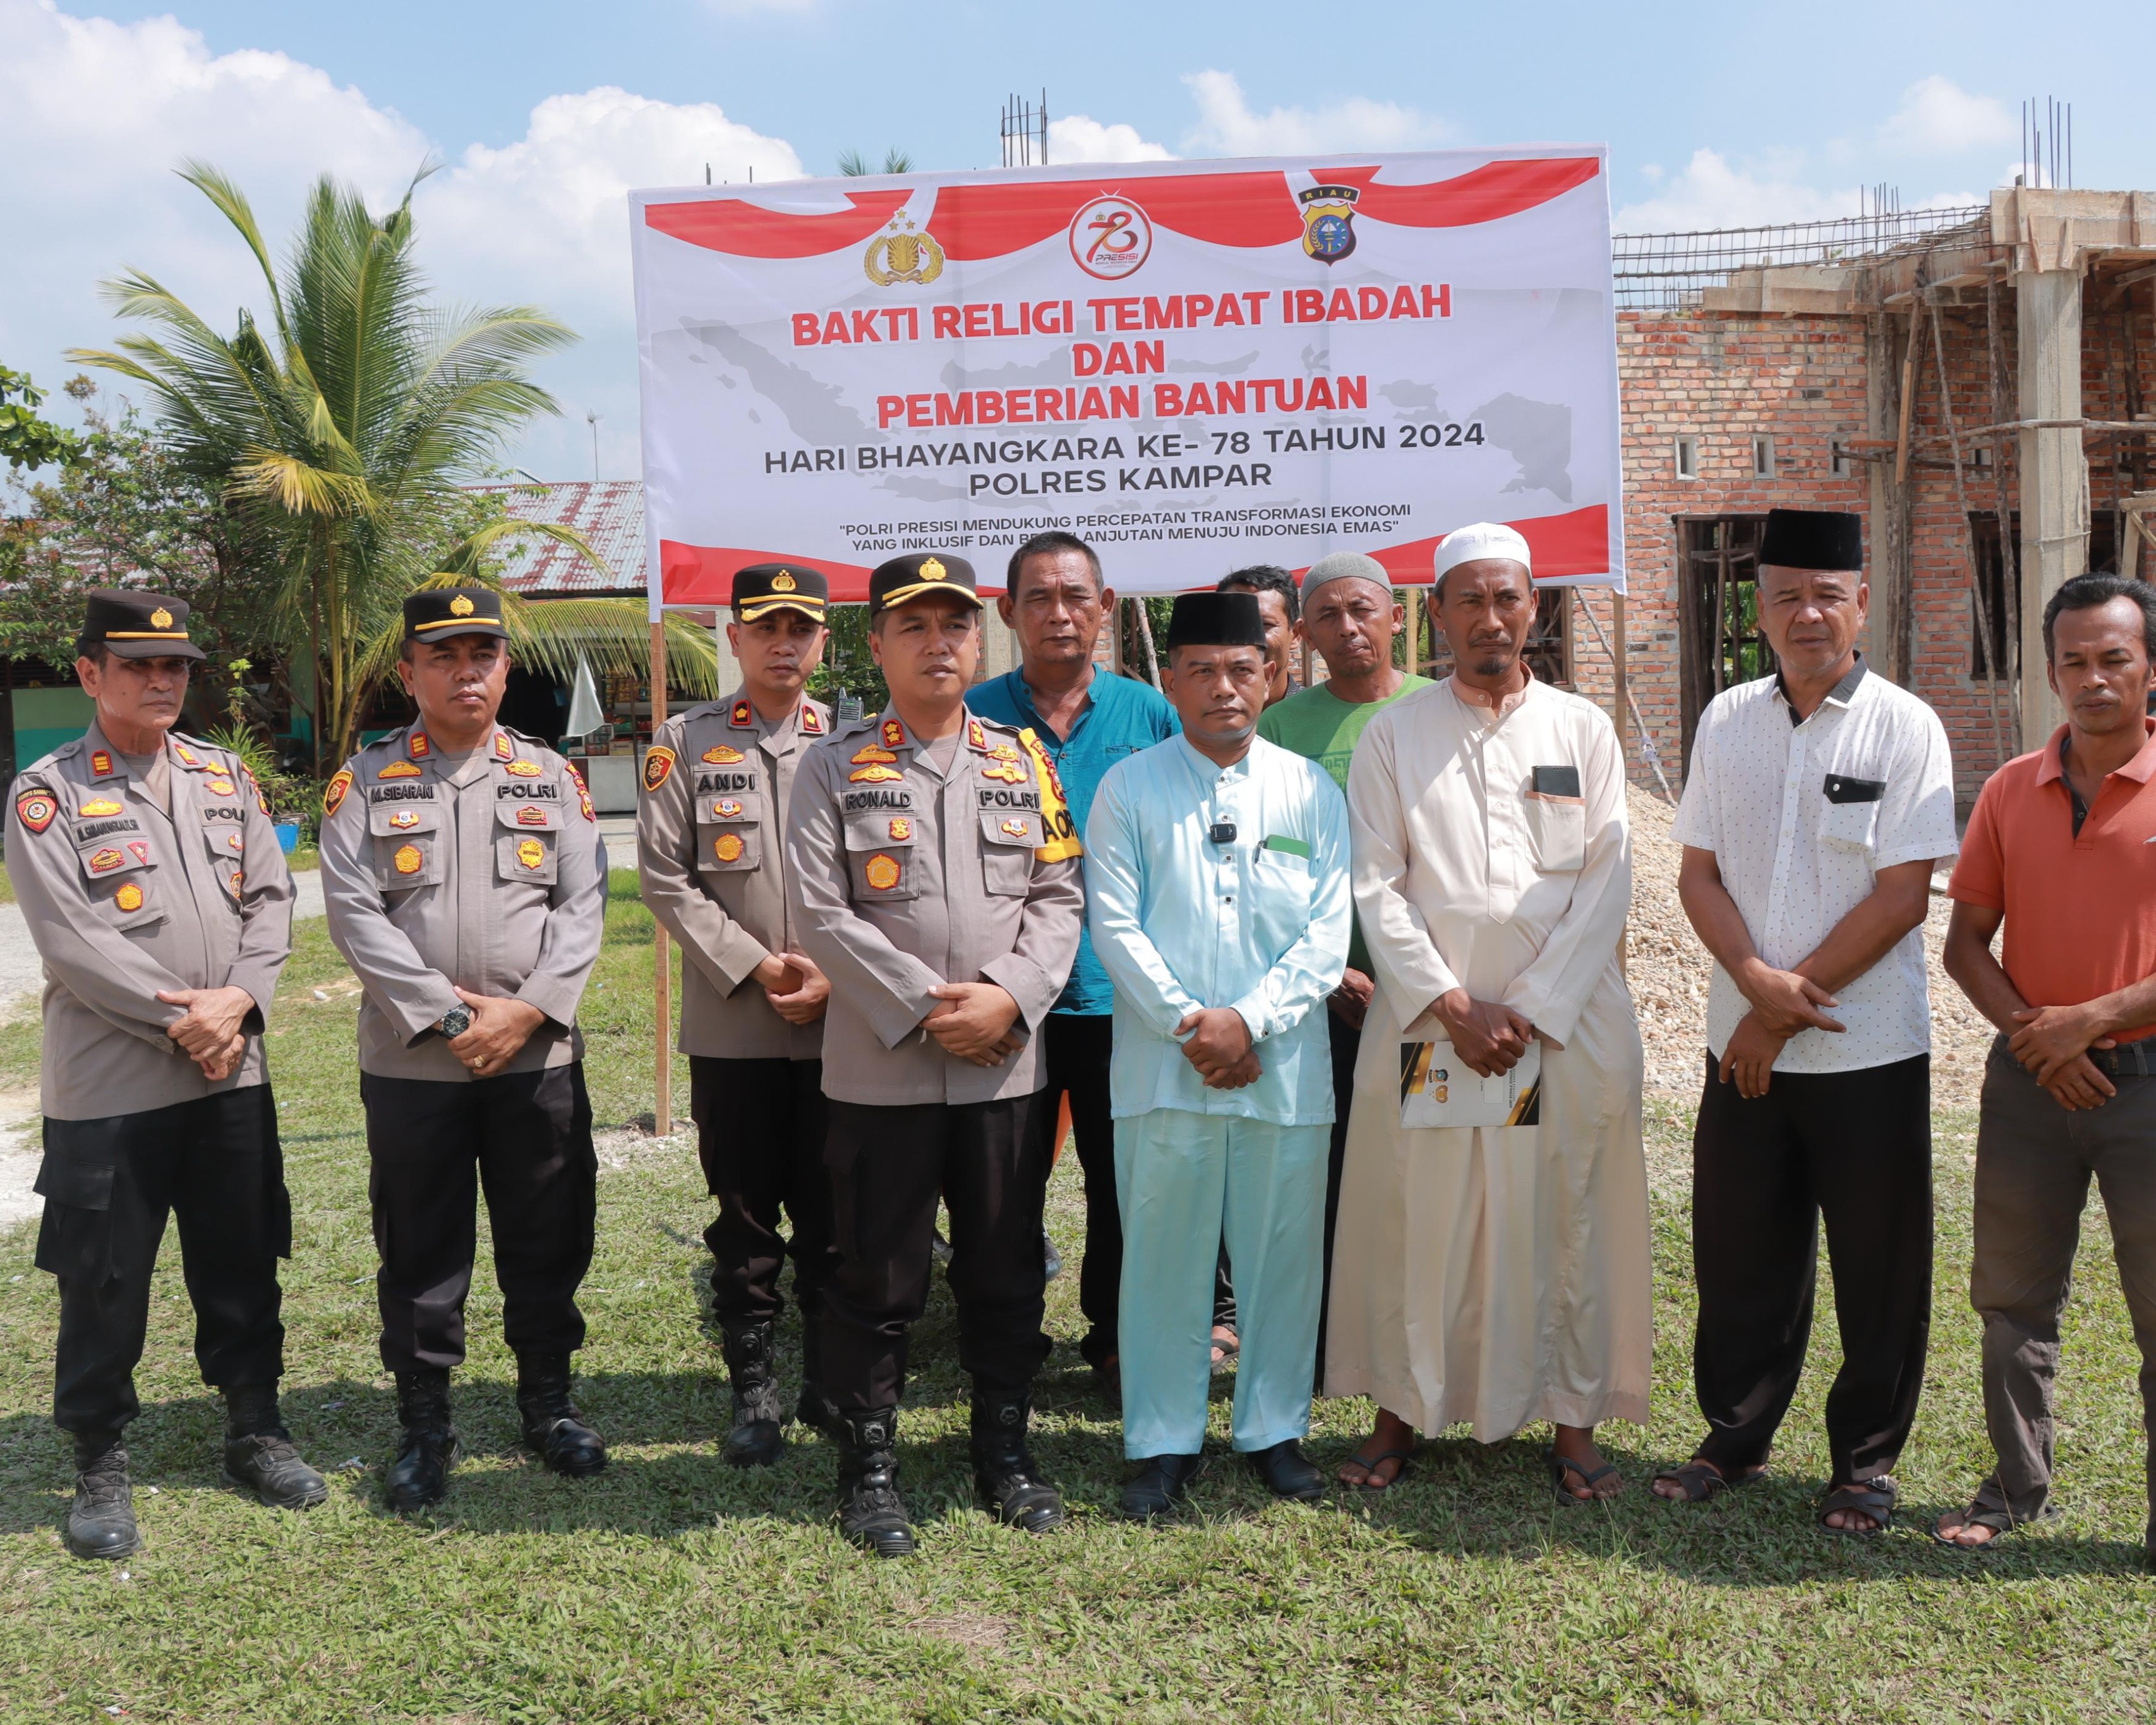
488 874
903 877
710 846
125 899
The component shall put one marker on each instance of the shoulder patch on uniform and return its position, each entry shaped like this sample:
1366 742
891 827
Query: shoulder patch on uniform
976 738
502 749
739 718
186 756
35 809
583 795
398 769
894 734
333 797
812 721
416 744
722 754
658 764
100 763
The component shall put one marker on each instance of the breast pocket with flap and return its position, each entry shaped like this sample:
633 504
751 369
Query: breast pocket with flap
729 834
1851 819
882 856
121 870
524 847
408 842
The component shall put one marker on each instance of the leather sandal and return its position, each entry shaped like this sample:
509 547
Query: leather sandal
1370 1482
1560 1466
1874 1497
1699 1480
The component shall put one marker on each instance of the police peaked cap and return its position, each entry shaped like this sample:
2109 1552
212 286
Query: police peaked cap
762 588
137 625
1813 539
434 614
906 578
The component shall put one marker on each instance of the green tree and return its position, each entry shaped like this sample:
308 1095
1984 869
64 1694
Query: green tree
343 431
25 439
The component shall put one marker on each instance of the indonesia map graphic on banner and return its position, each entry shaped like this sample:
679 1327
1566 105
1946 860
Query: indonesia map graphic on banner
1193 366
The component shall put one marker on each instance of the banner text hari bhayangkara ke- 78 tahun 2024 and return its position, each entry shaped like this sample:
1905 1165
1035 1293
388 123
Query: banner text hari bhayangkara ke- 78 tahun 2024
1193 366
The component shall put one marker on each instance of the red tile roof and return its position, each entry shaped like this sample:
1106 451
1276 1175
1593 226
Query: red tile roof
609 513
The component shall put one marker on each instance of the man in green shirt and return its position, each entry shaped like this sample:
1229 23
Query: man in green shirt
1350 617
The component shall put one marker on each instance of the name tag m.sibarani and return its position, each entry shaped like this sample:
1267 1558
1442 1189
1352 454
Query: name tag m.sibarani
1439 1088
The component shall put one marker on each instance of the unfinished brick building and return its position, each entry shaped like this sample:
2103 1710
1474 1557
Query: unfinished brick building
1805 367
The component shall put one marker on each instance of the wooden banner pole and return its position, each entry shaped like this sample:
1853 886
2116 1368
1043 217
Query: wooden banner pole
662 1111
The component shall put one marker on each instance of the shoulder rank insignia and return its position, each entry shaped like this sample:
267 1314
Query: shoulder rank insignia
727 847
812 721
129 897
531 854
658 762
35 809
502 750
727 808
877 774
333 797
222 787
186 756
417 746
583 795
975 737
105 861
882 872
863 757
404 818
530 815
398 769
1008 772
722 755
894 734
739 717
100 763
901 829
408 859
140 852
97 806
532 769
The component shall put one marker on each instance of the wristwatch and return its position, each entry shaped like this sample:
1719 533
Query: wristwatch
454 1023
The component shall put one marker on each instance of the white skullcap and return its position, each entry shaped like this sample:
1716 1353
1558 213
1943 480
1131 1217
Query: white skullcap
1485 539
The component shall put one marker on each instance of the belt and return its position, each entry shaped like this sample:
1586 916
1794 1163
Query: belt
2129 1059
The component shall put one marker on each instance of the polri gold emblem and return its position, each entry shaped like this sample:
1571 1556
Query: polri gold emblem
727 847
531 854
882 872
408 859
461 606
161 618
900 254
782 582
129 897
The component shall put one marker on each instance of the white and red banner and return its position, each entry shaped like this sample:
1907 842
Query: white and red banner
1193 366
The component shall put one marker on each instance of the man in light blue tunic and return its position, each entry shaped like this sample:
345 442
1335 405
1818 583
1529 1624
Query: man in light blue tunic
1216 882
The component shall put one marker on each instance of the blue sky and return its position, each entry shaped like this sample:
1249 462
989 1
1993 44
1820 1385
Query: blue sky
544 112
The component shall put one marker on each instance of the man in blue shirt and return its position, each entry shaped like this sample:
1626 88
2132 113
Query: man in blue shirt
1057 604
1217 884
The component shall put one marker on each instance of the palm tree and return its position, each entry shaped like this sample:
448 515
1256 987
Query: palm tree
853 164
349 428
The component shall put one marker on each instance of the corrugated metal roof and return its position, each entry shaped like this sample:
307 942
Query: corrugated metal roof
609 513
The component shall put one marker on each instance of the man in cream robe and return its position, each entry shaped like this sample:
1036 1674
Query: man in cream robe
1494 1276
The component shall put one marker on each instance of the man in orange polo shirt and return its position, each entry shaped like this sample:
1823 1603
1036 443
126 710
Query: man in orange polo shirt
2062 848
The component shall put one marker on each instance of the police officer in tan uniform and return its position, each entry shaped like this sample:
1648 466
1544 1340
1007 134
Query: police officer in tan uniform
932 866
711 832
151 879
465 882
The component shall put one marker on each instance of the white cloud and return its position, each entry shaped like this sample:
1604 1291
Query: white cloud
1076 138
541 221
1710 192
1938 117
1227 127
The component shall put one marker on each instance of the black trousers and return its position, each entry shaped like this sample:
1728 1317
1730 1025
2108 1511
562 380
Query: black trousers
1077 1048
109 1185
760 1136
1855 1147
525 1139
1346 1045
989 1163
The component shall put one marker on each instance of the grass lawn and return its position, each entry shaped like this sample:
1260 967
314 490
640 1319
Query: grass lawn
676 1589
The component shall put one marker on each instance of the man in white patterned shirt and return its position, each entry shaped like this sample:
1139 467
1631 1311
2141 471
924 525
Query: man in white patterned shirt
1818 801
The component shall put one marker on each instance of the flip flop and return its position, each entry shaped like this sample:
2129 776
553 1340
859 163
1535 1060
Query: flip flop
1560 1466
1370 1464
1874 1497
1701 1480
2002 1522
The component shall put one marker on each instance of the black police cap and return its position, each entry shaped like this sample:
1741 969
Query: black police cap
762 588
137 625
434 614
906 578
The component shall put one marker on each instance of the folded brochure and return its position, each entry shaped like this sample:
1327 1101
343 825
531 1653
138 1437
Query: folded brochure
1438 1088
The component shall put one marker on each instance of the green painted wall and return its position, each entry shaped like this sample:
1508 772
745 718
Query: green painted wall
46 718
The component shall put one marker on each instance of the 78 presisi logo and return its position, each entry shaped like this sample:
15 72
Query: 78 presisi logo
1111 237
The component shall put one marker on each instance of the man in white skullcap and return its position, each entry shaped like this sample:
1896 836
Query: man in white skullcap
1491 1258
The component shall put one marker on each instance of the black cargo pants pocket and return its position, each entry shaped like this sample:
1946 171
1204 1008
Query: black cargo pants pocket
74 1239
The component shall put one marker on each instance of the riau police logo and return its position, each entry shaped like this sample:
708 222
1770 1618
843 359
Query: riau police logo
899 253
1328 222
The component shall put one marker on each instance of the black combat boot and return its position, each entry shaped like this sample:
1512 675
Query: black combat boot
420 1475
1005 1472
870 1511
100 1523
812 1407
755 1440
259 1454
552 1423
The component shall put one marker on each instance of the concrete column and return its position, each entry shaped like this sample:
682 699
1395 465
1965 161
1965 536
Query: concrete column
2055 495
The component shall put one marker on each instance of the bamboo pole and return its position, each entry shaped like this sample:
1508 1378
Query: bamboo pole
662 985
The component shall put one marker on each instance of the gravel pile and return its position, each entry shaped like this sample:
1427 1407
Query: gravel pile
1668 970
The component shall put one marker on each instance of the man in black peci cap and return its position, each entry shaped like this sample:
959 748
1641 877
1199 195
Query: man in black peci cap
465 882
711 837
151 879
1819 802
933 875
